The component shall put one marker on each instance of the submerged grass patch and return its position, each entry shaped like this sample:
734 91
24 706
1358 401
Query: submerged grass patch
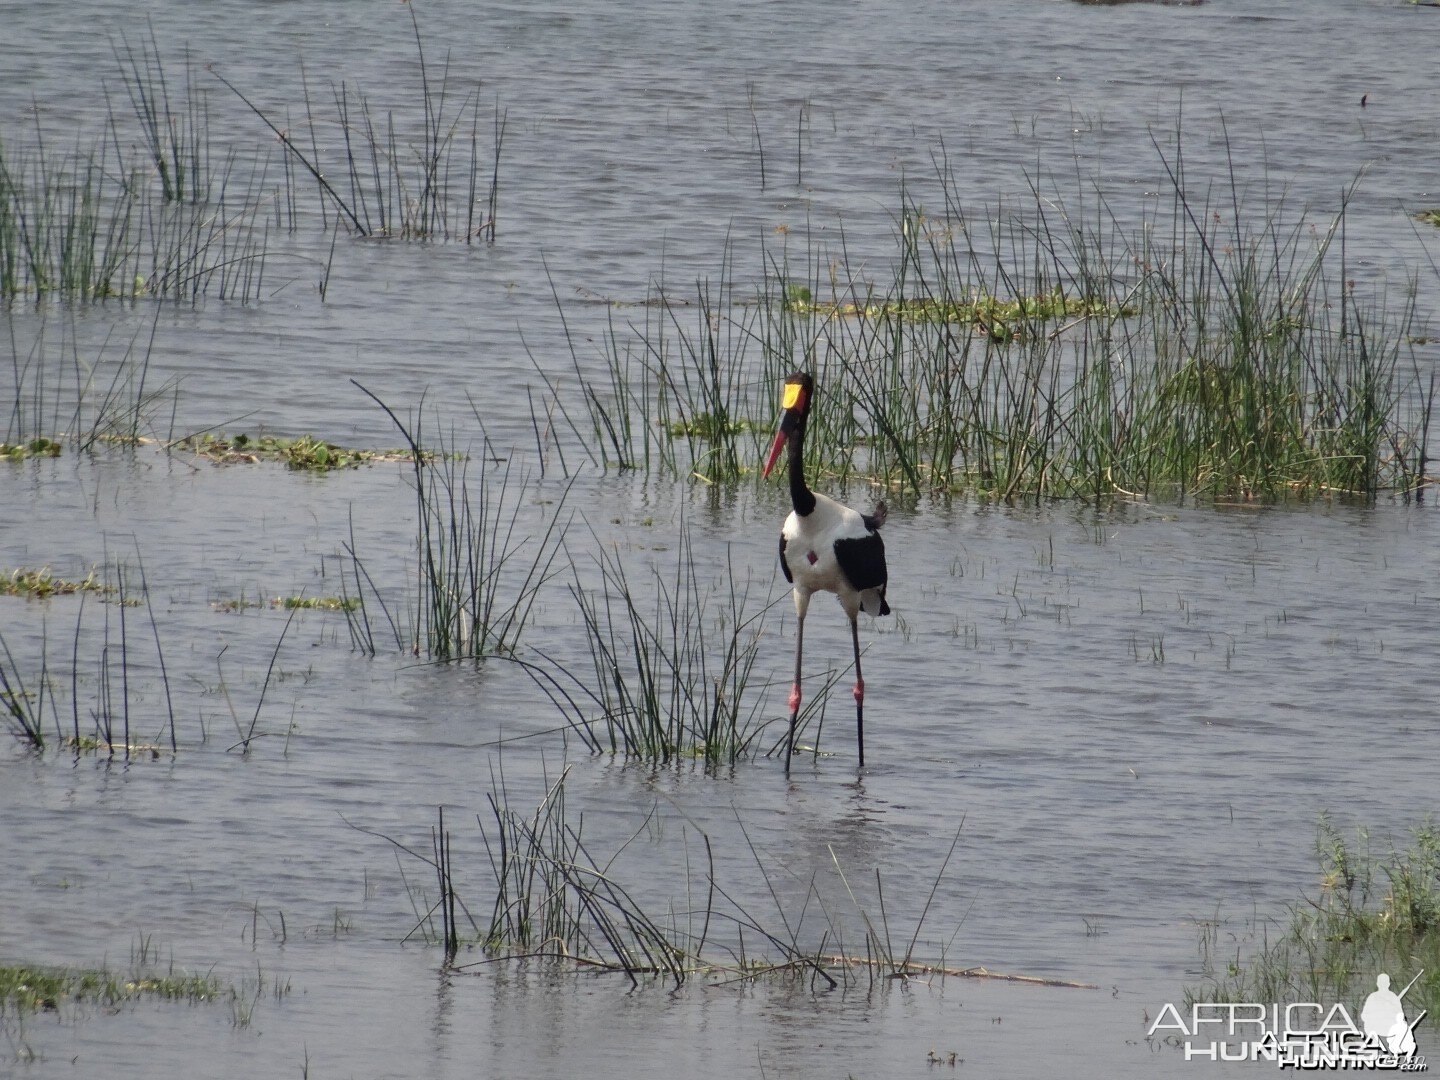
1374 912
479 573
42 584
306 453
33 988
38 447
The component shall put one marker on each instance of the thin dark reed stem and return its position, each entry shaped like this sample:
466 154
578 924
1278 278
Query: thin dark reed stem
159 651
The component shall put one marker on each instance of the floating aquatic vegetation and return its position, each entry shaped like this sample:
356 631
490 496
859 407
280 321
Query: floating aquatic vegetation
1002 319
40 447
42 584
305 453
704 426
302 603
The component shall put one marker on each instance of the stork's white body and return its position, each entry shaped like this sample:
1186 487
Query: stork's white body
810 556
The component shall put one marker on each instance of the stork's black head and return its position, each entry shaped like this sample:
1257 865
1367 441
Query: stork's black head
799 389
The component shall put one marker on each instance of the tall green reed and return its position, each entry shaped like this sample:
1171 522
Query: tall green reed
175 133
81 224
24 709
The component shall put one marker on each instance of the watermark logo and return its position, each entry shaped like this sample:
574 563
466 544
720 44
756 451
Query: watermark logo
1384 1017
1300 1035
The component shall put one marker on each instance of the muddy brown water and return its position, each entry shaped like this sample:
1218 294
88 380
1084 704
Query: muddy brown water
1134 716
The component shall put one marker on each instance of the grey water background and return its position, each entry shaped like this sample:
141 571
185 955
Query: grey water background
1134 716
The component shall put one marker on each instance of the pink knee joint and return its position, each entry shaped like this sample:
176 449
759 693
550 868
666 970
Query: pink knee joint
795 698
859 691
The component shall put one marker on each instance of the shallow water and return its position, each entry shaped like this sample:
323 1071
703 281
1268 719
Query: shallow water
1134 717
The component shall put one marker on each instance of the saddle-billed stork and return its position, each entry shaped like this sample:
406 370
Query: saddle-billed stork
825 546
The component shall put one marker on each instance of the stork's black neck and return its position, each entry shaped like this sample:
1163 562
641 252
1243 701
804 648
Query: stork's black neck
801 497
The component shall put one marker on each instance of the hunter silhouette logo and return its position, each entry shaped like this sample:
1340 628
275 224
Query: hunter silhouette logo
1300 1034
1384 1017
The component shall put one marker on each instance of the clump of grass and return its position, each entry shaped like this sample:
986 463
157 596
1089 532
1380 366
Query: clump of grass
62 398
120 669
1429 217
672 678
146 207
1374 912
552 897
42 584
1217 350
477 586
379 187
81 224
554 901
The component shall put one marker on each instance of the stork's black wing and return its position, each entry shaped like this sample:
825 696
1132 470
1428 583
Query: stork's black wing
784 566
862 561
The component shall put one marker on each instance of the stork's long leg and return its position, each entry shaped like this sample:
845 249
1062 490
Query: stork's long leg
795 689
859 691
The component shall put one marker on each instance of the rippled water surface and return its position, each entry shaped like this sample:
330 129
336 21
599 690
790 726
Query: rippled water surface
1134 716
